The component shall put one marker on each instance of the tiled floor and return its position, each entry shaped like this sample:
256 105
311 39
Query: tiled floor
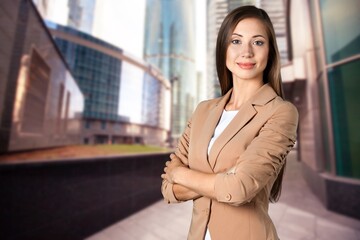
297 216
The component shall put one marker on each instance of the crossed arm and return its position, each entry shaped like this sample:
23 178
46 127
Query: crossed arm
255 167
188 184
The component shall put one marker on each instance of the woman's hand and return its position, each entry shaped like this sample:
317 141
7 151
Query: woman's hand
171 168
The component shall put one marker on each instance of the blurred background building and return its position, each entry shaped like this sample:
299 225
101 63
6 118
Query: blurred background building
126 99
105 74
319 43
40 102
170 45
325 66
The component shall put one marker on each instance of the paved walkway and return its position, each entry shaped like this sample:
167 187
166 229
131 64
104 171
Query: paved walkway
298 215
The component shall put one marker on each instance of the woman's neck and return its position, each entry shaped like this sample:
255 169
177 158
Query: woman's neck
242 91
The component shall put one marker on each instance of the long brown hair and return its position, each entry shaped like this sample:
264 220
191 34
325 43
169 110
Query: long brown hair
271 73
272 70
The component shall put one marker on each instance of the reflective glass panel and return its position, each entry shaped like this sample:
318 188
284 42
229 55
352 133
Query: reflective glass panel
341 21
344 84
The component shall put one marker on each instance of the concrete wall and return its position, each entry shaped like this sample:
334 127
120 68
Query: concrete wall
72 199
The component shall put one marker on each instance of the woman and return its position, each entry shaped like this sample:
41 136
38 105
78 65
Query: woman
231 158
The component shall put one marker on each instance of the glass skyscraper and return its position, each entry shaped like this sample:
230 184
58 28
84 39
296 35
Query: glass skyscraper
277 12
170 46
216 12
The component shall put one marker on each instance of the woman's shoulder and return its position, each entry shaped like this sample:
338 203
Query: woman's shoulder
283 109
209 103
284 105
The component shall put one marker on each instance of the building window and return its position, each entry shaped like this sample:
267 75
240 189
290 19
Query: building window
87 124
344 96
341 33
103 125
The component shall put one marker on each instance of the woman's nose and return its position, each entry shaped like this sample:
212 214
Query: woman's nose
247 51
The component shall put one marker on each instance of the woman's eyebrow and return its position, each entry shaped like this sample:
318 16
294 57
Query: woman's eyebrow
255 36
259 35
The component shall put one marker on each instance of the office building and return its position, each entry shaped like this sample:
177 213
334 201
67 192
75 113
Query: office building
40 102
126 99
277 12
216 12
170 46
325 65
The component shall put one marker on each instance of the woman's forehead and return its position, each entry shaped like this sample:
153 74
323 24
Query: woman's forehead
250 26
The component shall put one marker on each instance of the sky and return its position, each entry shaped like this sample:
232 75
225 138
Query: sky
127 29
123 24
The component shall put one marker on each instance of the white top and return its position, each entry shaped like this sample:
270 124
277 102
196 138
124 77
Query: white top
226 118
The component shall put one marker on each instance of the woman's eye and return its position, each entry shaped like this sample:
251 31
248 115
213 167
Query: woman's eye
259 43
235 41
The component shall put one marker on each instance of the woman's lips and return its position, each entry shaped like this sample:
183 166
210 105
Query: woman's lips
246 65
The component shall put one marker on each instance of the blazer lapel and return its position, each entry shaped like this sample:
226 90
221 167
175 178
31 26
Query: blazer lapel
244 116
212 121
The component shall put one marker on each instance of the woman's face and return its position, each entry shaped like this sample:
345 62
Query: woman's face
247 53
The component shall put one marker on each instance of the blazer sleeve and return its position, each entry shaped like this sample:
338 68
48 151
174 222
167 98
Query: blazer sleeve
262 160
181 153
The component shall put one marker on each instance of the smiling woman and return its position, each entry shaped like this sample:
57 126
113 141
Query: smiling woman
247 54
231 157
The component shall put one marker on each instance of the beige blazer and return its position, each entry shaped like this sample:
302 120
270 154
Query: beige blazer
247 158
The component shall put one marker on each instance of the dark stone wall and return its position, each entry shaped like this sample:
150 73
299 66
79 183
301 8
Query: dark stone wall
72 199
343 197
337 194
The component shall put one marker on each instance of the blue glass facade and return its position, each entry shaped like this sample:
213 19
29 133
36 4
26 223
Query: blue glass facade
169 45
124 97
98 74
341 42
151 97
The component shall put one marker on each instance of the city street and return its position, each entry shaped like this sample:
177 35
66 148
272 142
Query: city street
298 215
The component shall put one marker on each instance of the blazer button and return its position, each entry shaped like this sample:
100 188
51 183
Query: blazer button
228 197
